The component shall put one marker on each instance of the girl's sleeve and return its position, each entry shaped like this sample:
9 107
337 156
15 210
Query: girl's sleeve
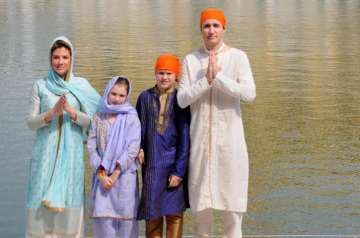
182 119
243 87
35 119
133 139
190 91
94 156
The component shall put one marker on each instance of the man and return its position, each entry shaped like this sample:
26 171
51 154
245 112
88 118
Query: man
214 80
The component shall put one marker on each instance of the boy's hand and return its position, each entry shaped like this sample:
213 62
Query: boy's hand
174 181
141 157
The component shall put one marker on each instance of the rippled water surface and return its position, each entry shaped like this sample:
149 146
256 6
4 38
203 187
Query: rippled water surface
302 131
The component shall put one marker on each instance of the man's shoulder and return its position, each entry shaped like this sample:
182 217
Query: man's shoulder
195 55
237 52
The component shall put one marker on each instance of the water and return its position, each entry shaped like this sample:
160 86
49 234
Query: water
302 131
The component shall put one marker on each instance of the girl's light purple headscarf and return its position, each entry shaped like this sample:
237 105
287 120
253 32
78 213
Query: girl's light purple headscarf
116 143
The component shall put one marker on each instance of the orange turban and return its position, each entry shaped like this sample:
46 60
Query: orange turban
168 62
212 13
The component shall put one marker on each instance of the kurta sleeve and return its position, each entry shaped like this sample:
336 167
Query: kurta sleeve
243 86
35 119
94 156
189 91
82 119
133 140
182 120
141 110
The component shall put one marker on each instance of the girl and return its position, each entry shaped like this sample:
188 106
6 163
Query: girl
113 145
165 151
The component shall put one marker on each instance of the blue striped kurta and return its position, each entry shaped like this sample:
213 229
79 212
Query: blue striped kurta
166 151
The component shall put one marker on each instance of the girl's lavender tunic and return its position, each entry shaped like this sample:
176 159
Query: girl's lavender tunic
166 151
121 201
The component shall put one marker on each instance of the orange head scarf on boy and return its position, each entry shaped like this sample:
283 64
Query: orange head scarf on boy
168 62
212 13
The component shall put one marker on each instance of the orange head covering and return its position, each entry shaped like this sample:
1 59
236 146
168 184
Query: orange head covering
212 13
168 62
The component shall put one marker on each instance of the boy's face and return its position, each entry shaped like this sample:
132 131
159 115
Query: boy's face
165 79
117 94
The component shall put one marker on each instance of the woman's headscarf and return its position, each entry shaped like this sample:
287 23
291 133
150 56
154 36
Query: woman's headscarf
116 146
87 96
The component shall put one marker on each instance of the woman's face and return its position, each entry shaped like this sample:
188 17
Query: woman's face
165 79
117 94
61 61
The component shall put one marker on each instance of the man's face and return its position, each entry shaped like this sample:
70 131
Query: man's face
212 33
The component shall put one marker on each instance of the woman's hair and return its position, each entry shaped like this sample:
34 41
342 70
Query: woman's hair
123 81
59 44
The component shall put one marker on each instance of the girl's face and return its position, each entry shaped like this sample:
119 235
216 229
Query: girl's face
61 61
117 95
165 79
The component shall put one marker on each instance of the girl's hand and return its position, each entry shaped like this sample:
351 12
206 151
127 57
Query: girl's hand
174 181
106 182
115 175
141 157
69 109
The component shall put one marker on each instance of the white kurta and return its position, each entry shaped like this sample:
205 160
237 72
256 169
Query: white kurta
218 166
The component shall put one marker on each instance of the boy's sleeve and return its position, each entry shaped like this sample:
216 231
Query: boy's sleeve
94 156
182 120
141 110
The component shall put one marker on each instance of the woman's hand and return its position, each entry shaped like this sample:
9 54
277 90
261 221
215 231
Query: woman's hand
69 109
141 157
56 111
174 181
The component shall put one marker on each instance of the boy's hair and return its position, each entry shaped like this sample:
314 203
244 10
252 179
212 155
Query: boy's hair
123 81
59 44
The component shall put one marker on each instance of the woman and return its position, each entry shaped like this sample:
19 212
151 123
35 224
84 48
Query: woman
62 106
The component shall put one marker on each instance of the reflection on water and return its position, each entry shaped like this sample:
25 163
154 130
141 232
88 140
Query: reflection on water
302 131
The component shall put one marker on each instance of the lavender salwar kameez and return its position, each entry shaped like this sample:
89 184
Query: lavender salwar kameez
112 144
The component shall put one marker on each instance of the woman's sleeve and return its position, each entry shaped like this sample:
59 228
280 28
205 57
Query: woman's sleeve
190 91
82 119
35 119
243 87
94 156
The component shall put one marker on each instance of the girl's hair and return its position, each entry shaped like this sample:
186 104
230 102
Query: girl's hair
59 44
123 81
